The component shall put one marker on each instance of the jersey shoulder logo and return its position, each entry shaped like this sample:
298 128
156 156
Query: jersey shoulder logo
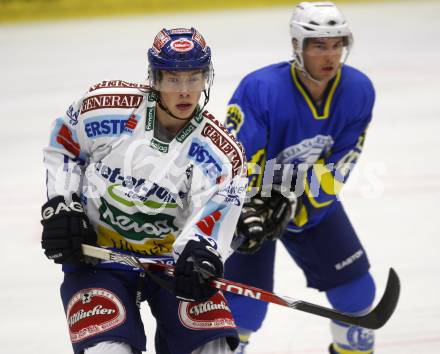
111 100
226 142
118 84
234 118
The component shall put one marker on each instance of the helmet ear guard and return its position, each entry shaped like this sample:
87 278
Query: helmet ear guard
317 20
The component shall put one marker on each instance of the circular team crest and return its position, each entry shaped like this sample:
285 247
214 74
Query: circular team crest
182 45
93 311
360 338
211 314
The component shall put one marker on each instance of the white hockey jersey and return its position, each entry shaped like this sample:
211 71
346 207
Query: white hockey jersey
142 194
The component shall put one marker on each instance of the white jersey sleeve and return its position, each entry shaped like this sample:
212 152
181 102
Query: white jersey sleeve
213 212
218 189
66 155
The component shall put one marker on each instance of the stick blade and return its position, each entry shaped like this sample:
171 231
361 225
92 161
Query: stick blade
372 320
386 306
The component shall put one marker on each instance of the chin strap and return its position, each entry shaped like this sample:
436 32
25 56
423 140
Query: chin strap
196 111
310 77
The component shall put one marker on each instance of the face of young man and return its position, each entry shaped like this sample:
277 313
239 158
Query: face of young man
322 57
180 91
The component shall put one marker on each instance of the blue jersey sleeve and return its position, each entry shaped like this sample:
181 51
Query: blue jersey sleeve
323 181
247 120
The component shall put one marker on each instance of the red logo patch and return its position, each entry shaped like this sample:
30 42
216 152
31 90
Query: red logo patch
182 45
131 122
160 40
206 225
199 38
211 314
65 138
93 311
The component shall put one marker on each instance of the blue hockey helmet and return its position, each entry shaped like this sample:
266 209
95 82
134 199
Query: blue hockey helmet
179 49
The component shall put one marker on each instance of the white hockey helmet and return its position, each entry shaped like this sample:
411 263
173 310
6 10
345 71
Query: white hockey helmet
317 20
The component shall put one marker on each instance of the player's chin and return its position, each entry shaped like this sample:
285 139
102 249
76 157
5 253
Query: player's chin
329 72
185 113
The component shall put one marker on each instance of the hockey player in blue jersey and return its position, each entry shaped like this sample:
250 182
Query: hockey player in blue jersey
303 124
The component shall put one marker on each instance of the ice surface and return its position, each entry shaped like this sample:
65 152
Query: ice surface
391 197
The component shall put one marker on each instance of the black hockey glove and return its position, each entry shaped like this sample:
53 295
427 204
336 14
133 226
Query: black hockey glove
250 225
195 268
280 212
65 228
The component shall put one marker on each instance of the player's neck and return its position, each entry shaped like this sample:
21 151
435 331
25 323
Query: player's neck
316 88
169 123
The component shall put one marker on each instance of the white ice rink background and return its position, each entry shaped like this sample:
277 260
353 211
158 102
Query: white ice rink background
392 198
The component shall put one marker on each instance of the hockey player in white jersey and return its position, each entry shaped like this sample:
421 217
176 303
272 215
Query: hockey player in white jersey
145 169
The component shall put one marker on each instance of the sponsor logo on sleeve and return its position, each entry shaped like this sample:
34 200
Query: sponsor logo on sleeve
72 114
224 143
211 314
205 158
220 126
65 138
93 311
111 101
231 194
206 225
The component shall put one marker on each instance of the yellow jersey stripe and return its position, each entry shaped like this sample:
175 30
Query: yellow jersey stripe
309 101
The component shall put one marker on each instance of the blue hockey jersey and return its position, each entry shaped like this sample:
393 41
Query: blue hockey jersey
288 138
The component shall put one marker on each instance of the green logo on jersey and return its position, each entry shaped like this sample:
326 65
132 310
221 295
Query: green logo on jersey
158 145
185 132
137 226
199 117
149 124
152 96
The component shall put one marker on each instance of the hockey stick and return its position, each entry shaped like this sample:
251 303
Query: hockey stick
373 320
